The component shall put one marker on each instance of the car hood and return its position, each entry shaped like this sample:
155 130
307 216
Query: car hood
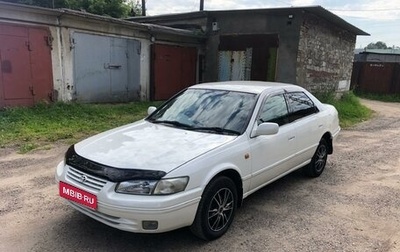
144 145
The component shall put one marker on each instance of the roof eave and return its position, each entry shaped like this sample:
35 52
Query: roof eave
333 18
316 10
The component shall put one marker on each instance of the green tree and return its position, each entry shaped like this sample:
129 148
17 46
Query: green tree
112 8
377 45
135 9
41 3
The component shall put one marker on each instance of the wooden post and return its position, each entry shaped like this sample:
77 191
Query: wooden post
201 5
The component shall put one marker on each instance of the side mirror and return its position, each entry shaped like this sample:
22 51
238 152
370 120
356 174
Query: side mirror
266 129
150 110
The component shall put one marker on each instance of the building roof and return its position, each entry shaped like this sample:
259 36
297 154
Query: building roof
89 16
381 51
316 10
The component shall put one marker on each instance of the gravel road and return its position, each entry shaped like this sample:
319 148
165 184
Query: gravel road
353 206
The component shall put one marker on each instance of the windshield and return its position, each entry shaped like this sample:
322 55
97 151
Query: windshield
217 111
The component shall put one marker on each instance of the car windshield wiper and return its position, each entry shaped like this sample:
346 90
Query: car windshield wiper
173 123
218 130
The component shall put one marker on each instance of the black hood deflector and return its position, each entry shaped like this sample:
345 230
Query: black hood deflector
107 172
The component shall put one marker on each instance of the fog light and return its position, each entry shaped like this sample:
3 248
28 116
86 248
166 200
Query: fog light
150 225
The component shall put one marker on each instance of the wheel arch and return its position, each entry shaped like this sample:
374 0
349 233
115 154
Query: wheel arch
237 180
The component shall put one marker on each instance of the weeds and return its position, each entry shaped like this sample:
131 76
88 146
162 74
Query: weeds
350 110
380 97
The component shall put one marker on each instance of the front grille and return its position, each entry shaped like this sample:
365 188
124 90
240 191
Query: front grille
86 179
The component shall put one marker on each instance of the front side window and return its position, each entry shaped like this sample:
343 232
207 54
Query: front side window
217 111
300 105
274 110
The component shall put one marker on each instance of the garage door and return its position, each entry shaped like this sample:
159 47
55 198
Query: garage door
26 70
173 68
108 71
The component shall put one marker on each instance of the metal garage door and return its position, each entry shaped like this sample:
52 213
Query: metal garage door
26 70
173 68
106 69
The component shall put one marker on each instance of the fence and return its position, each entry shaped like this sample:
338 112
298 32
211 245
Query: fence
376 77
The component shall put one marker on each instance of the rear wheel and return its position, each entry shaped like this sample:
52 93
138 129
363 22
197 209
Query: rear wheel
318 162
216 209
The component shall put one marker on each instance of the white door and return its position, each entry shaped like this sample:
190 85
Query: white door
272 155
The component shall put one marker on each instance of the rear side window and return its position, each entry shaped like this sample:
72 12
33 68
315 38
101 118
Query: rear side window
274 110
300 105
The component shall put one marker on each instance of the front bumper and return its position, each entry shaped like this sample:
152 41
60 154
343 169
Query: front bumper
127 212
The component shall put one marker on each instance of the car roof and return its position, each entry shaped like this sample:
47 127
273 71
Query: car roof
255 87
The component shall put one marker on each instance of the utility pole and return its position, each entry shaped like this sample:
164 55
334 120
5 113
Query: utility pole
143 7
201 5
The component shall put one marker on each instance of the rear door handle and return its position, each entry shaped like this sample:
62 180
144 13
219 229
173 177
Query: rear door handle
291 138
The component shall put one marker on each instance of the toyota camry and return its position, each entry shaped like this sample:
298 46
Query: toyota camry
192 161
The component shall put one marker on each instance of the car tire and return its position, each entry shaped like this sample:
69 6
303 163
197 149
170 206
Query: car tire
216 209
317 165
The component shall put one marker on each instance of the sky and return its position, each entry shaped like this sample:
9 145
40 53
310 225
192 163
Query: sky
380 18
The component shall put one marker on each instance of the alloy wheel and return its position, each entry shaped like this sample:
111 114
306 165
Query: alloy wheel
221 209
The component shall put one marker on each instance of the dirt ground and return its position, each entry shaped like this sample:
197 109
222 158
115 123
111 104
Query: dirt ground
353 206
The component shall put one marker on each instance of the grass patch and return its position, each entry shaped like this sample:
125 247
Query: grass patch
350 110
380 97
31 128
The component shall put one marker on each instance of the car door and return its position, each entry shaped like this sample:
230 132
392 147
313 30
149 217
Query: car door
307 121
272 154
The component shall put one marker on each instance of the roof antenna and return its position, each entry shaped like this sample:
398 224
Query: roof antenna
201 5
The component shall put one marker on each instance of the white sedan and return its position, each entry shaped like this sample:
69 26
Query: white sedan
194 159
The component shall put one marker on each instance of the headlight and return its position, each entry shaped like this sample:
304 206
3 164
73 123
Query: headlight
143 187
155 187
170 186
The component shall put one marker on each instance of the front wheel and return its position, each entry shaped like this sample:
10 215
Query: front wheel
318 161
216 209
